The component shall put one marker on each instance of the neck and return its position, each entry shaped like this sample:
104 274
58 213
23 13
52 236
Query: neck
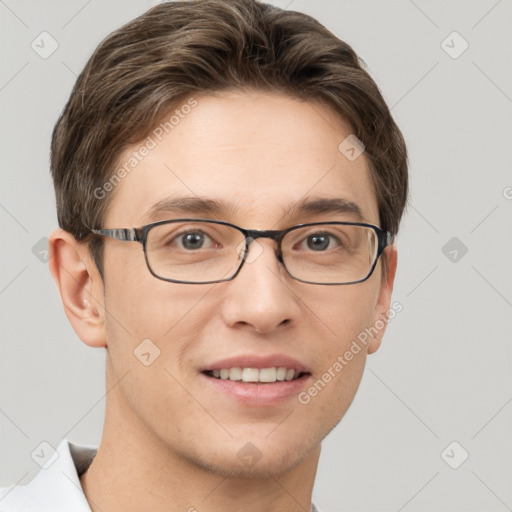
134 470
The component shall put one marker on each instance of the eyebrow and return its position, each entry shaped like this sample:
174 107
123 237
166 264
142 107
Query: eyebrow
324 205
206 206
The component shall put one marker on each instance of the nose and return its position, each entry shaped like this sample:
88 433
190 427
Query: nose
262 295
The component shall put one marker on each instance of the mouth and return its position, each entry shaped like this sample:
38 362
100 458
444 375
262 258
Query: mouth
256 380
256 375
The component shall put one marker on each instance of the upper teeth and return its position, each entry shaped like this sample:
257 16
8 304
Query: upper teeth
256 374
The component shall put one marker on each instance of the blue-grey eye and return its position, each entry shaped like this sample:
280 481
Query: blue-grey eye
318 242
193 240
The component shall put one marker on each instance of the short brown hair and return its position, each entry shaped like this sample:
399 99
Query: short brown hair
140 72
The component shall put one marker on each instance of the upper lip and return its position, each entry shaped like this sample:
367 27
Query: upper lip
258 361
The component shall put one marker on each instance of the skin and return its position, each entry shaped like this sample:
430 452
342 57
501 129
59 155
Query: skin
170 441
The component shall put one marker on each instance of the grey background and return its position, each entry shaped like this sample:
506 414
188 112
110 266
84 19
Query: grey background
443 373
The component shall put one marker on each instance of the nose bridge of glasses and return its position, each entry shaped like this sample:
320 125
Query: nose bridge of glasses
275 234
253 234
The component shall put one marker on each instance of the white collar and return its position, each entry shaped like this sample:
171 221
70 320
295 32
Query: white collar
56 488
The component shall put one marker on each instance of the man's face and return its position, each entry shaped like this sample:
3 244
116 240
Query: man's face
263 153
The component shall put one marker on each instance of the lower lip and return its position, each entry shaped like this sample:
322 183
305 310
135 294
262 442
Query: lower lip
259 393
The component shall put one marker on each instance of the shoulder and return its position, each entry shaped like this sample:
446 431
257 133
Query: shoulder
56 487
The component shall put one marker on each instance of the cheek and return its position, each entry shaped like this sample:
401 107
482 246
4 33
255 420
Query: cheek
347 314
346 311
146 315
141 304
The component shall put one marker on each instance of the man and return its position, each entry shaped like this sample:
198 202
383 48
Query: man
229 181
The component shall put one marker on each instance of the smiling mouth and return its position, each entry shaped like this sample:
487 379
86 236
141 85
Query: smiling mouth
256 375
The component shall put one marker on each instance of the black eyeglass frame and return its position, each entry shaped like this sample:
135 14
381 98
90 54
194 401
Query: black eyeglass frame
384 239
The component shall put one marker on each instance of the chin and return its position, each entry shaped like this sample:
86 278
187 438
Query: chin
263 464
255 457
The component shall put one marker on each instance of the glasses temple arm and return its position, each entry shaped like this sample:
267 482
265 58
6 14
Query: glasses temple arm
122 234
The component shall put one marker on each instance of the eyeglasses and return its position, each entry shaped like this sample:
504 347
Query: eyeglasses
200 251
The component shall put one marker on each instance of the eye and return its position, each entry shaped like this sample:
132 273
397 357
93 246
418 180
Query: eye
321 241
193 240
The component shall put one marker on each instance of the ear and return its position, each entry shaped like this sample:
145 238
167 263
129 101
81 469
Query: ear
381 312
80 287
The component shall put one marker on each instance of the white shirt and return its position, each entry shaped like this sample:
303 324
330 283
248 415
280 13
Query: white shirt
56 488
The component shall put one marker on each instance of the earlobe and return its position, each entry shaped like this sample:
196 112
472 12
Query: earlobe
382 309
80 287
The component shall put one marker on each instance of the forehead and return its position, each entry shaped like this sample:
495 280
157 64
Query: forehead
254 158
